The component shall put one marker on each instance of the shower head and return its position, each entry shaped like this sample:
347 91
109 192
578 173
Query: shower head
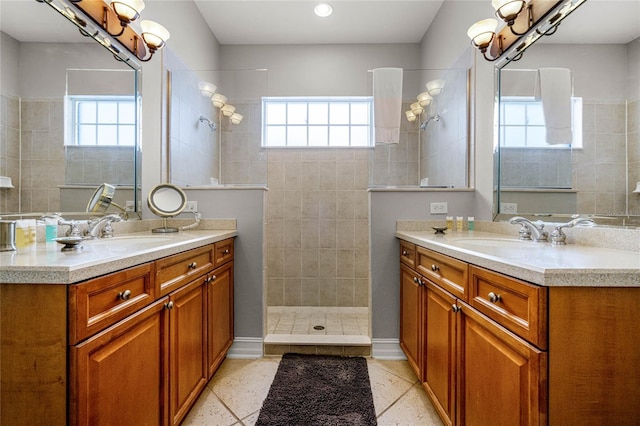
426 122
211 124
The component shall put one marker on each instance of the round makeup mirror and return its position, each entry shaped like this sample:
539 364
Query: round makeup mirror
102 198
166 200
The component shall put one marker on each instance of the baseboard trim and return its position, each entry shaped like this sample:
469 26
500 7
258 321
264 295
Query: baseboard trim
387 349
246 348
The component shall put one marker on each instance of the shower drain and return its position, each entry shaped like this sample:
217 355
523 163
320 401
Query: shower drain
318 327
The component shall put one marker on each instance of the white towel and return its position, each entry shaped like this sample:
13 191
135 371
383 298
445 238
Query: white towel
387 104
555 93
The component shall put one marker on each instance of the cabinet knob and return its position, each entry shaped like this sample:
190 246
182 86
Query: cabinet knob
494 298
124 295
405 253
169 305
212 278
193 265
435 268
416 280
455 308
226 251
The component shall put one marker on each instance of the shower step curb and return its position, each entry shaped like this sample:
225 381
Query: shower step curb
317 339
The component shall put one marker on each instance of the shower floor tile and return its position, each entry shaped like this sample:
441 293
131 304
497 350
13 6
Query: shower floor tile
317 325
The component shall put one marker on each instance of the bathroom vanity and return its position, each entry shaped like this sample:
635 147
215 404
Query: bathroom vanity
126 331
502 331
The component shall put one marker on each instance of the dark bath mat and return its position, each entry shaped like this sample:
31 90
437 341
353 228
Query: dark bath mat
319 390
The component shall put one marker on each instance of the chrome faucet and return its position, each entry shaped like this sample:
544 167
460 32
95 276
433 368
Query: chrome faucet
558 237
530 230
101 227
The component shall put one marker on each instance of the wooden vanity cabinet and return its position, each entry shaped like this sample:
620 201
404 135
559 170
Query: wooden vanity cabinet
411 318
136 346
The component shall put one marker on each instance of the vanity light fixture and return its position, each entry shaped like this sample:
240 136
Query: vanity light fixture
236 118
435 87
424 99
119 13
542 18
228 110
218 100
416 108
127 12
410 116
323 10
207 89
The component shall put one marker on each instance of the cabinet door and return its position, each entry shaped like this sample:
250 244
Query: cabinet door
411 323
187 357
502 376
440 351
219 315
118 375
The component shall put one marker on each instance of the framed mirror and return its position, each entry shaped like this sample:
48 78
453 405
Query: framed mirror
67 131
595 169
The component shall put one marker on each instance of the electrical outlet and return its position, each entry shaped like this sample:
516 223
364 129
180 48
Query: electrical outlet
509 208
128 207
192 206
438 208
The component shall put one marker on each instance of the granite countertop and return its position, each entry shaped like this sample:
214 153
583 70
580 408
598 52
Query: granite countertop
538 263
45 263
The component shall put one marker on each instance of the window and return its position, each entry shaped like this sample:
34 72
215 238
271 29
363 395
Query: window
523 126
102 121
317 122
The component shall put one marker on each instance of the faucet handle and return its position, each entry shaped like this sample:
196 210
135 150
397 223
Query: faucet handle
524 233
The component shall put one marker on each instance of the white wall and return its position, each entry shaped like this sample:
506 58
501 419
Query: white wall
9 64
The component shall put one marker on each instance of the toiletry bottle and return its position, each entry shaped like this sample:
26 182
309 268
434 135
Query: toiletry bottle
471 225
458 223
449 223
50 228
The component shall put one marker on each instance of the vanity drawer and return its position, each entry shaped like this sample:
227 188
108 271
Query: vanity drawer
449 273
174 271
223 252
516 305
97 304
408 254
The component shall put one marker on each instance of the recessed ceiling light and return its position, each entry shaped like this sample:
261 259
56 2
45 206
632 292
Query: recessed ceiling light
323 10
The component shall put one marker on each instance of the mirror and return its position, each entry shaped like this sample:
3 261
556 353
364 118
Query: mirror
102 199
597 173
166 200
49 73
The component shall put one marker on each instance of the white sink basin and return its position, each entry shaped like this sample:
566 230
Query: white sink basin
127 240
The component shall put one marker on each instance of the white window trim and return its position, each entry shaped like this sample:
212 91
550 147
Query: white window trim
71 128
318 99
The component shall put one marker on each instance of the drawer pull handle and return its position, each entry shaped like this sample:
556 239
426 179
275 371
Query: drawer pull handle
193 265
405 253
435 268
494 298
124 295
169 305
455 308
226 252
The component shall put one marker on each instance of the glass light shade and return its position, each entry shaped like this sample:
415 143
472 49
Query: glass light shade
236 118
508 10
127 10
424 99
323 10
410 116
482 32
154 34
218 100
228 110
416 108
435 87
207 89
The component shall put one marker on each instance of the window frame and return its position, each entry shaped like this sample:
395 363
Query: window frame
527 101
309 124
73 124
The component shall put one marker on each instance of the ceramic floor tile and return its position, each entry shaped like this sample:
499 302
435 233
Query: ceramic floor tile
399 368
242 385
209 410
386 387
414 408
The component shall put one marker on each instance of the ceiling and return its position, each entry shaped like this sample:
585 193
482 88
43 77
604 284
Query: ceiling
352 22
